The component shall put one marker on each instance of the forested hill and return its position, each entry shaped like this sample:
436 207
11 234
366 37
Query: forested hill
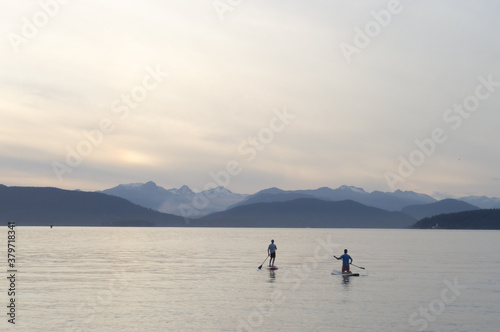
307 212
33 206
476 219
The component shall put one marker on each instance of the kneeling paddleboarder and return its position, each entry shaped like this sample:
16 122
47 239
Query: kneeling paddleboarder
346 261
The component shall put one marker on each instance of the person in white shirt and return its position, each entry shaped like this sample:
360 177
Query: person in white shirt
271 251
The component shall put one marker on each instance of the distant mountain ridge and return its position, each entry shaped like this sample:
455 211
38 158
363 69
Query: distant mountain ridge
482 202
36 206
178 201
388 201
307 212
174 200
448 205
45 205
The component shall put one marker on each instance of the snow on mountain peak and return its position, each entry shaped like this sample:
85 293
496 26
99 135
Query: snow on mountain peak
184 190
131 185
351 188
219 191
149 185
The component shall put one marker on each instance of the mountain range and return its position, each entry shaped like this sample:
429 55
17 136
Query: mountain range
185 202
34 206
273 207
308 212
172 201
444 206
388 201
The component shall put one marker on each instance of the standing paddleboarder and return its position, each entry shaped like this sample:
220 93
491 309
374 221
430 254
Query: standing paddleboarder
271 251
346 261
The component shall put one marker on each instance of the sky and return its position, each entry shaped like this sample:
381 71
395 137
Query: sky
382 95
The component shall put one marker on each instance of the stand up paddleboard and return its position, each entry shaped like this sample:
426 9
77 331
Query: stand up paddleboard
271 267
336 272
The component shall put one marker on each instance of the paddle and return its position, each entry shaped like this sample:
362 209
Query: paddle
260 267
359 267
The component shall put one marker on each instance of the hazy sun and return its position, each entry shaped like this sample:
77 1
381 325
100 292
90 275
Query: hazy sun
134 157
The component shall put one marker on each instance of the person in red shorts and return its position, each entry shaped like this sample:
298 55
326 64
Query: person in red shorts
346 261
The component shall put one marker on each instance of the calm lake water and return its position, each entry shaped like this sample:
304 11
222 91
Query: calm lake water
206 279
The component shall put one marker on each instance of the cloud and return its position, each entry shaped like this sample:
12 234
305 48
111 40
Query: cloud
225 79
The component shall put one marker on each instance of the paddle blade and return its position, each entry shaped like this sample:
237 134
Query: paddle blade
359 267
260 267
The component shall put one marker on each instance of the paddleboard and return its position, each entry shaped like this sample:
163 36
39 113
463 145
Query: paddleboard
336 272
273 267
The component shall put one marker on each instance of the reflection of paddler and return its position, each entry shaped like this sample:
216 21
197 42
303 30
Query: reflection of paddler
271 251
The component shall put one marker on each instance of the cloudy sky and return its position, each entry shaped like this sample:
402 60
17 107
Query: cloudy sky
381 95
